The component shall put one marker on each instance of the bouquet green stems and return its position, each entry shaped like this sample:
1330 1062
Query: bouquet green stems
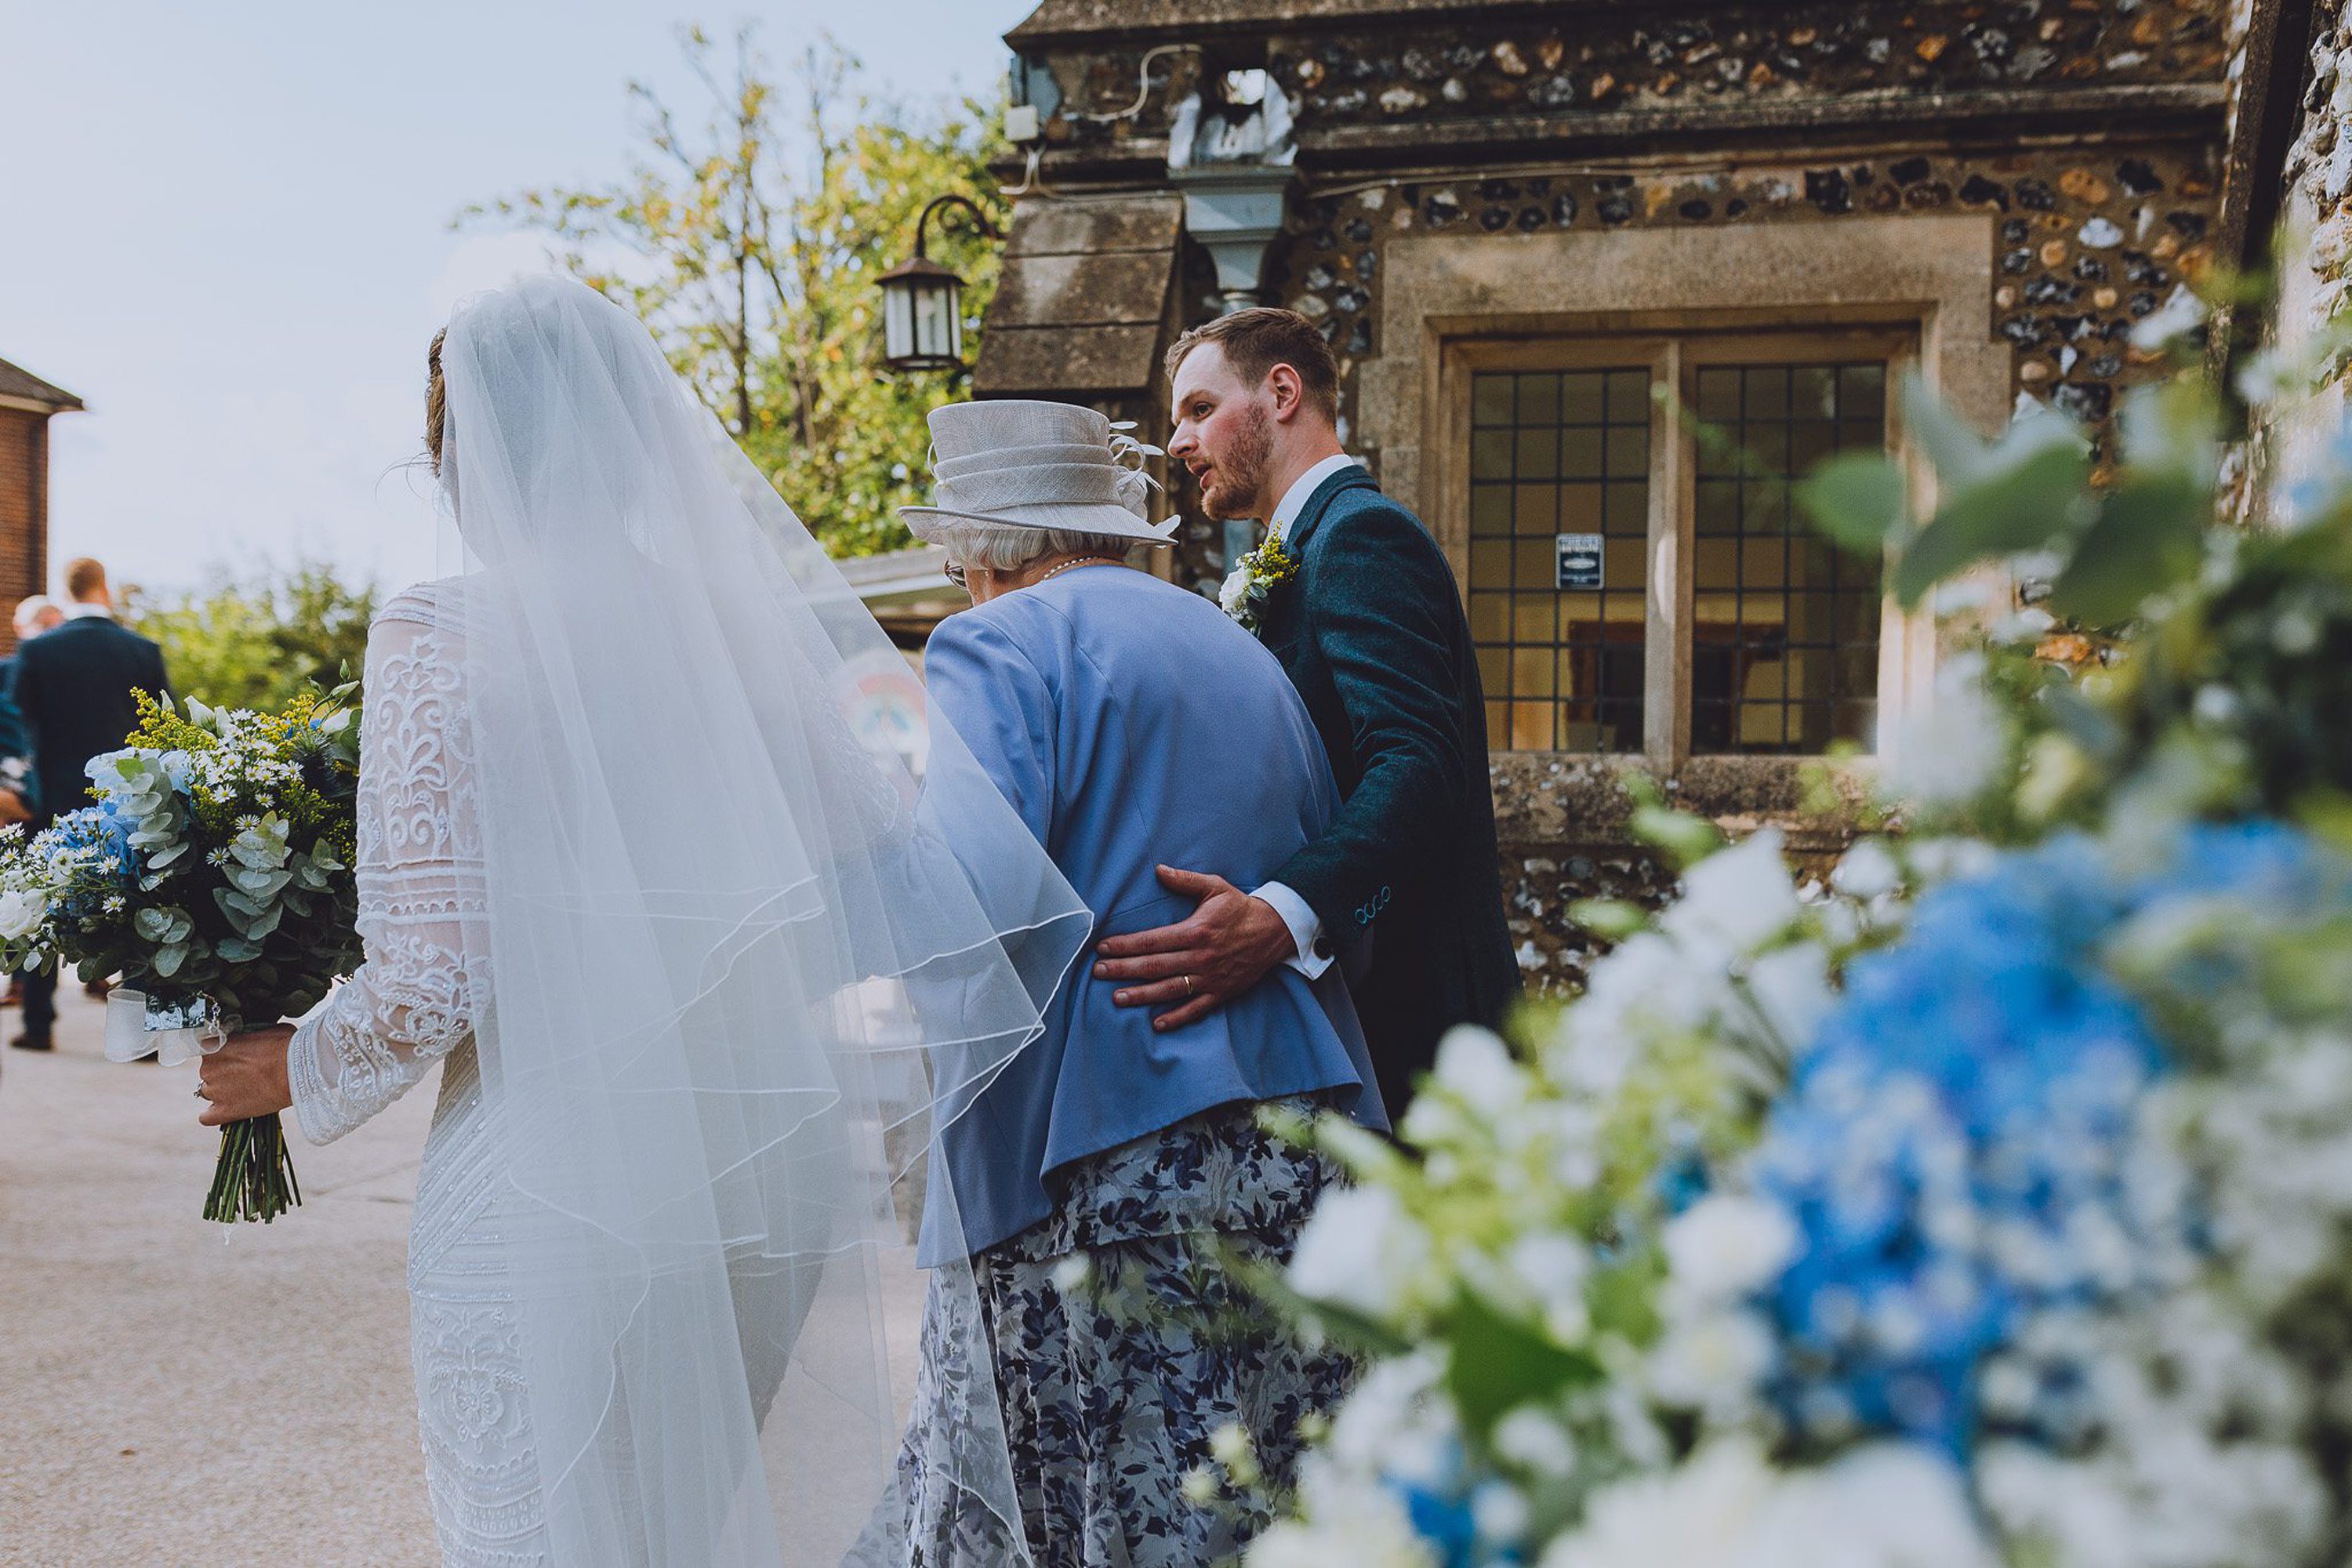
255 1177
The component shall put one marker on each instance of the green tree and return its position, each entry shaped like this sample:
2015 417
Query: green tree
750 244
255 642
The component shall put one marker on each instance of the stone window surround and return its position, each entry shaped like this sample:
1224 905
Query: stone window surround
1932 274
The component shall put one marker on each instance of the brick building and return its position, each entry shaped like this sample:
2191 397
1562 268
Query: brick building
28 404
1528 229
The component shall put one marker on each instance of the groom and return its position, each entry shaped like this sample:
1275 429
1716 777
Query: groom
1370 630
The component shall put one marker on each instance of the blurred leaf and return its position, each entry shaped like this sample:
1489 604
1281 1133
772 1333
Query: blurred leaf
1614 918
1858 500
1953 449
1685 838
2148 535
2015 506
1495 1364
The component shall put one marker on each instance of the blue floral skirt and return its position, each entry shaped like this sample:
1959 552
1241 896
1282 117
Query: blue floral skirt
1114 1376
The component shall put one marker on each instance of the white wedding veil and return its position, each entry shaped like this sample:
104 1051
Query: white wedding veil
757 927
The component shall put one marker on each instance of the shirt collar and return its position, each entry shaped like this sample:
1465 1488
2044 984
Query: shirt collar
1294 499
77 611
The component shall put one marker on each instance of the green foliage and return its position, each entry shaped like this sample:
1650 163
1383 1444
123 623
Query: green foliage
750 245
2227 692
261 641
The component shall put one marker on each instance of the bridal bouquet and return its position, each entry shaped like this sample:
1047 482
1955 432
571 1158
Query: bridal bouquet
1989 1205
213 873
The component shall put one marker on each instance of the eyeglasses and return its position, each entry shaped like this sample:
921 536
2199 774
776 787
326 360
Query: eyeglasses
955 576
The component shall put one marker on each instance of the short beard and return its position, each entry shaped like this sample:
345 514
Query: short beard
1245 470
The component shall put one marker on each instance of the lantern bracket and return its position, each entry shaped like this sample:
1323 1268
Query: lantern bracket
979 219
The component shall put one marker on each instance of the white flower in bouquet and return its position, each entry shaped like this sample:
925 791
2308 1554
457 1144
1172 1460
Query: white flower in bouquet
1369 1529
1361 1250
1950 752
1479 1086
1734 900
1723 1247
1790 991
1868 871
1712 1362
1887 1506
22 911
1536 1441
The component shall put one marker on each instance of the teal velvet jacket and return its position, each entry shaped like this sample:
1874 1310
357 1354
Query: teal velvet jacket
1372 634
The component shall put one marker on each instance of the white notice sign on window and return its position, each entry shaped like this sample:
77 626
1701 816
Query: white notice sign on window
1579 562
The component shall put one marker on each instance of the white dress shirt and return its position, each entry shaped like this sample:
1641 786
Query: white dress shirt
83 609
1311 959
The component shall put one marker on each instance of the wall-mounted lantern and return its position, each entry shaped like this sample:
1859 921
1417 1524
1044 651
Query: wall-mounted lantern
922 302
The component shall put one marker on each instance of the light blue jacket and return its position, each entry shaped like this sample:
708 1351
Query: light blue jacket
1132 725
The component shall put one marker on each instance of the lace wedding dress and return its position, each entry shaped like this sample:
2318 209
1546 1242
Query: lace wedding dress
755 927
411 1005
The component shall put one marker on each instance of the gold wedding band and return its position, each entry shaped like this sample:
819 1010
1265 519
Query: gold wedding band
1188 985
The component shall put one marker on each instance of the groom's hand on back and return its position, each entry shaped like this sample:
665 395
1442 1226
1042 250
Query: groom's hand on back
1226 946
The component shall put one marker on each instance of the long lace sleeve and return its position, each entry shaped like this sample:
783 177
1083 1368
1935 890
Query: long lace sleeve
419 872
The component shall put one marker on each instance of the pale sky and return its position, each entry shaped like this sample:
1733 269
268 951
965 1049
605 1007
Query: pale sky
225 228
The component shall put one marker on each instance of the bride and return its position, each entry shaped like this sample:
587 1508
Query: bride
688 936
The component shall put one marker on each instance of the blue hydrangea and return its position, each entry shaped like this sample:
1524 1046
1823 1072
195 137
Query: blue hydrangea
1957 1146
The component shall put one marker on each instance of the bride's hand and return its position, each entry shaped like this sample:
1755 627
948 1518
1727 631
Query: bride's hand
247 1077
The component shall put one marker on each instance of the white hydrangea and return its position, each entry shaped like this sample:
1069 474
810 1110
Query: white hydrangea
1949 752
1367 1528
1361 1250
1868 871
1712 1362
1886 1506
1790 992
1734 900
1723 1247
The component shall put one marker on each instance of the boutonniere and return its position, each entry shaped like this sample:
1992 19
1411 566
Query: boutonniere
1261 572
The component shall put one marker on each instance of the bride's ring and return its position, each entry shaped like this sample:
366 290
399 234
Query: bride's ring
1188 985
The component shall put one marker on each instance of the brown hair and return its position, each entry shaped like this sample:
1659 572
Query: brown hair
1258 338
84 578
437 399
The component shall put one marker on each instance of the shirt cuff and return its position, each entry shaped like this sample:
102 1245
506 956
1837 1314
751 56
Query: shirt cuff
1314 954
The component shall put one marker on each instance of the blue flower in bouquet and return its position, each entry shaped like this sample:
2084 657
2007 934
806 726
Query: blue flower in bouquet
1957 1150
95 841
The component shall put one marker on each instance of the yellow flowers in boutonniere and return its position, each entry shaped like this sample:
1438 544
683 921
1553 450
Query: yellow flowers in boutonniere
1261 571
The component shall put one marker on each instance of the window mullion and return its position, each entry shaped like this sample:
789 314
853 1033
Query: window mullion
1666 646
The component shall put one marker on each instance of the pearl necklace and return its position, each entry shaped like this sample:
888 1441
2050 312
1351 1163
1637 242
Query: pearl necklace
1081 561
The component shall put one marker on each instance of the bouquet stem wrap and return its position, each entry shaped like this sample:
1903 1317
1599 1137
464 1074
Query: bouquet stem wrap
254 1178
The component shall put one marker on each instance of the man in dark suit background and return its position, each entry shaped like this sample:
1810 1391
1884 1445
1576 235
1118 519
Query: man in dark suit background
1371 632
73 688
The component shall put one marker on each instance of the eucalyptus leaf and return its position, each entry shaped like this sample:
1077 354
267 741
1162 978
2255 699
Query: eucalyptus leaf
169 959
1858 500
2149 535
2023 507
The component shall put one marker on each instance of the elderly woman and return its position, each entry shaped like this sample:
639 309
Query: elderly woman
1108 1175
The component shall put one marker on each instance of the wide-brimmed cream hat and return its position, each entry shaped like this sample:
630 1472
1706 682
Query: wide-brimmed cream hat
1023 463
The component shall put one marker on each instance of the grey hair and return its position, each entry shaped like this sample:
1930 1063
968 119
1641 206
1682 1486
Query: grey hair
980 546
31 608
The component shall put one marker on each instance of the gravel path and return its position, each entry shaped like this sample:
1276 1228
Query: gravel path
170 1400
